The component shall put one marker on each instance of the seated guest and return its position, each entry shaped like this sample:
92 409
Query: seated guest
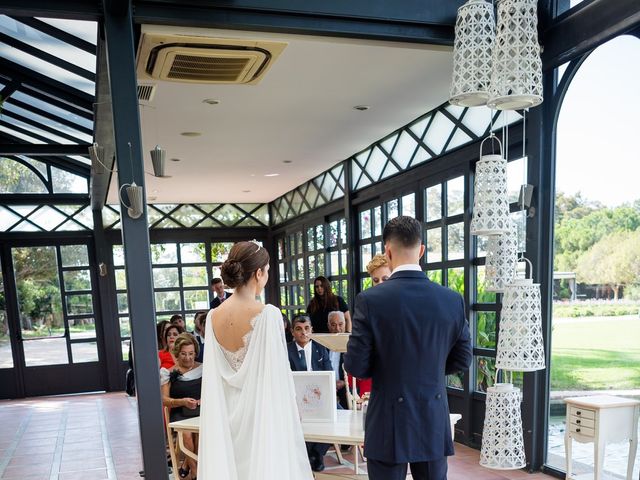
160 328
378 269
167 359
178 321
307 355
337 324
220 295
199 320
181 388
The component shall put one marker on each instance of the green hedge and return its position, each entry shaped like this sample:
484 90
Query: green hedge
593 310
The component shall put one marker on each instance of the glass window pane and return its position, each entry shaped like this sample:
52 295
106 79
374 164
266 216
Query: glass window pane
168 301
365 224
300 269
282 272
311 267
456 279
333 234
76 280
455 196
455 241
482 296
365 256
118 255
125 350
485 329
216 272
281 253
67 182
194 276
335 263
52 351
123 303
16 178
121 279
435 276
366 283
409 205
343 231
311 241
6 358
434 202
343 262
125 327
520 220
165 277
392 209
481 245
456 381
79 304
485 373
320 264
516 177
377 221
434 245
319 236
84 352
196 300
192 253
299 242
82 328
164 253
74 255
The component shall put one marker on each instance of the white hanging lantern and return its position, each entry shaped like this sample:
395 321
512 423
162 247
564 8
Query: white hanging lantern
520 343
490 194
472 54
516 76
502 257
502 438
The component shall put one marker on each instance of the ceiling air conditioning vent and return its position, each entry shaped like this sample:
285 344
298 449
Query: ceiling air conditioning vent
146 91
181 58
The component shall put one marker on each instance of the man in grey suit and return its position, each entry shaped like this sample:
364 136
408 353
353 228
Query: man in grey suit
408 333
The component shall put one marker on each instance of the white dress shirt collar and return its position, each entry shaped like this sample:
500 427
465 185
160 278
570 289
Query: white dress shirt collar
412 267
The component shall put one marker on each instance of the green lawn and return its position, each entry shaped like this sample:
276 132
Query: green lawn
596 355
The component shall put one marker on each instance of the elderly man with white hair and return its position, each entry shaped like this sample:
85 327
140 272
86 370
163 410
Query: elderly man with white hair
337 324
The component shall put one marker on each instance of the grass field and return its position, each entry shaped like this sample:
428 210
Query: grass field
596 354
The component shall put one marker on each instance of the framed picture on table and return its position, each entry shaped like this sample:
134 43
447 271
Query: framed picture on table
316 396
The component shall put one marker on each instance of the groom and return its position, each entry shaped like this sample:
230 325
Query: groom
408 333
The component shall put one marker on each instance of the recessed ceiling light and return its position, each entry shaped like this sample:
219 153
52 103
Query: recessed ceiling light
271 174
287 161
211 101
191 134
246 191
176 159
361 108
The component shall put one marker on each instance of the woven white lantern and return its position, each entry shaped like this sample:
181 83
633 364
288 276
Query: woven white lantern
490 195
520 343
502 257
516 76
472 54
502 439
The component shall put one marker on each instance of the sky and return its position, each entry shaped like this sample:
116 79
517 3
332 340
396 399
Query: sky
598 141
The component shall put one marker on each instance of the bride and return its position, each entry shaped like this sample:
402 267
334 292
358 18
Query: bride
249 423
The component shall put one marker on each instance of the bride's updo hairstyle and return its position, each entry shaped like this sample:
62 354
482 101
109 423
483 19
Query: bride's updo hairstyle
244 259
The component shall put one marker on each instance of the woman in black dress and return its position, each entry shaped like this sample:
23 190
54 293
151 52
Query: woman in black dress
181 391
323 302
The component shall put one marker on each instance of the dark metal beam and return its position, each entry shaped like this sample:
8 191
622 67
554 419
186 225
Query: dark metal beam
428 22
9 90
71 9
43 150
61 35
135 233
44 198
585 27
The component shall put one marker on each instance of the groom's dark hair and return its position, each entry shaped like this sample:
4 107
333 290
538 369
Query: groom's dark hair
405 230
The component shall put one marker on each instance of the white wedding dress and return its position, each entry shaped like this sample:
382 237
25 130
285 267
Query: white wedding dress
249 423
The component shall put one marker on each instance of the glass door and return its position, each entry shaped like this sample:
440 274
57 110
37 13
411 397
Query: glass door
58 345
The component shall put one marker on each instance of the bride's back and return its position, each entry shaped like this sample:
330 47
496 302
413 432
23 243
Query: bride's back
247 270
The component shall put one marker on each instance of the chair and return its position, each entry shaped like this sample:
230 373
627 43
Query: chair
174 447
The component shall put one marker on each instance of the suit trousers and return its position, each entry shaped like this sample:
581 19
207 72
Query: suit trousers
433 470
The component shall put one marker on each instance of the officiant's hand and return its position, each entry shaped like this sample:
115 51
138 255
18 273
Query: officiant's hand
190 403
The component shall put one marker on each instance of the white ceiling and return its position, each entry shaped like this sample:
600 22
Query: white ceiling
301 111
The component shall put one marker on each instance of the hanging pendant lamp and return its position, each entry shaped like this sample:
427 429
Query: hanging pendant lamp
502 438
472 54
516 78
502 257
520 343
490 194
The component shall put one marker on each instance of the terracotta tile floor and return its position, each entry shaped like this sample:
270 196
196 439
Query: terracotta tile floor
95 437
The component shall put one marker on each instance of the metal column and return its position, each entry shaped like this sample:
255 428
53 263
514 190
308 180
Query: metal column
121 64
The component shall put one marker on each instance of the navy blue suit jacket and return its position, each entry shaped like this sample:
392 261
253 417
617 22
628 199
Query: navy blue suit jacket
407 334
319 357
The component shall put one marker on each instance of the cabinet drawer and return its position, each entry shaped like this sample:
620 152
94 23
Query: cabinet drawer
579 429
582 412
582 421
